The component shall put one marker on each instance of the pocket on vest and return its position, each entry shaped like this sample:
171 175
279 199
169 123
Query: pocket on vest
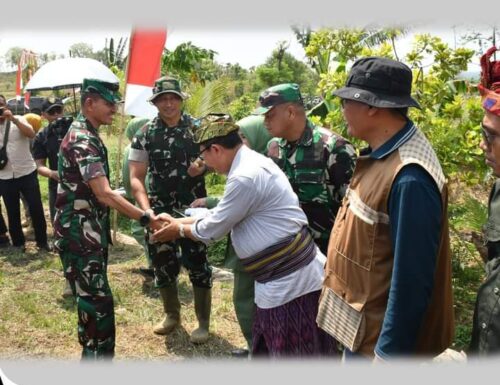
354 244
341 320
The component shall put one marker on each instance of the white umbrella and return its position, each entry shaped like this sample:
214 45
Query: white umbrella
69 73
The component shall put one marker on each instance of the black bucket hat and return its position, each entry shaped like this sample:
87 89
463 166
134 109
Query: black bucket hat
379 82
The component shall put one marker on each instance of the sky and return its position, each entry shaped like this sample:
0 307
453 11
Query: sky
248 47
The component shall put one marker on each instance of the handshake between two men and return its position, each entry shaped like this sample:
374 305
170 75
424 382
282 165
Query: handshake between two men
167 228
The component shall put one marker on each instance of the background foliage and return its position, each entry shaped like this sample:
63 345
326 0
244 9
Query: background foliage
450 113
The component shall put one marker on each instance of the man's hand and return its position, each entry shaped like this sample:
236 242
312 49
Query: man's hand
54 175
7 114
167 233
165 218
200 202
159 221
196 168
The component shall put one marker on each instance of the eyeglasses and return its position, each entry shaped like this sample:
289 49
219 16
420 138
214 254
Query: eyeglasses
488 136
202 151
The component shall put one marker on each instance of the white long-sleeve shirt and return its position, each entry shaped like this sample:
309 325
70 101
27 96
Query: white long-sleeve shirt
259 208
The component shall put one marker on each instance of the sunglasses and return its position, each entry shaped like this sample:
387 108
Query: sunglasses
488 136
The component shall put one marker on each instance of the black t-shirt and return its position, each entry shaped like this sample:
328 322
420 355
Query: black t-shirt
46 146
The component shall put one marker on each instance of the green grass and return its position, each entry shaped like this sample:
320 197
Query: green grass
36 322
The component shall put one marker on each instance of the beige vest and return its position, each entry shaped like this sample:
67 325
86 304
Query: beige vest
360 257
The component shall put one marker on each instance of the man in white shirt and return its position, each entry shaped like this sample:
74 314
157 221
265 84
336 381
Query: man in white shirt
269 234
19 176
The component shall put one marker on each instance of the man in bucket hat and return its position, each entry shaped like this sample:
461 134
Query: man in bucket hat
164 149
317 162
81 223
387 289
486 321
270 236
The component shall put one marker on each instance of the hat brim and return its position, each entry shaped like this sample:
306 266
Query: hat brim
181 94
112 99
379 100
261 110
52 106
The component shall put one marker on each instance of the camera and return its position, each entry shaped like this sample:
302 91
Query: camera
61 125
2 110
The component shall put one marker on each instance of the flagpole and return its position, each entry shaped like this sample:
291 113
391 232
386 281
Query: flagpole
120 140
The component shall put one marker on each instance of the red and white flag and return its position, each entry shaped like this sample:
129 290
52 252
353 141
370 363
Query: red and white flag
144 64
27 60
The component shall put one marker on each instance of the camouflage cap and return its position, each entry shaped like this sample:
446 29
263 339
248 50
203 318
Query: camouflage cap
165 85
214 126
279 94
108 91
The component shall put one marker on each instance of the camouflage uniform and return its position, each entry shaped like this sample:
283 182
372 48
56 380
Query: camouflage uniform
170 151
319 167
82 234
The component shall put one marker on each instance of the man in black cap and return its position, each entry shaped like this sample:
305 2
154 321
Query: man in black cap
387 290
46 145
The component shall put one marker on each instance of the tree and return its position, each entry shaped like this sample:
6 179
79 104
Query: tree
13 55
114 56
449 116
190 63
282 67
81 50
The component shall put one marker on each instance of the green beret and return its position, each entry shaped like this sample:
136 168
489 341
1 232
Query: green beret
108 91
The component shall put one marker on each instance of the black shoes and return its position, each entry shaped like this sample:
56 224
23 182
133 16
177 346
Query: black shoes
147 272
4 241
46 247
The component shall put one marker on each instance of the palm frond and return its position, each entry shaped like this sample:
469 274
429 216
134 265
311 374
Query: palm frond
209 98
375 37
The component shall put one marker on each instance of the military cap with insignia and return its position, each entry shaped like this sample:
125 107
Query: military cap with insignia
108 91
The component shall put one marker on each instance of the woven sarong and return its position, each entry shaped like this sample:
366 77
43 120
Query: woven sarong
291 330
282 258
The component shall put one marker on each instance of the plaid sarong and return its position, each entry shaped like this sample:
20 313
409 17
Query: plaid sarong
282 258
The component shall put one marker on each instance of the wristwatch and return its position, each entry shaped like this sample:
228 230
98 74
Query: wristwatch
181 231
145 218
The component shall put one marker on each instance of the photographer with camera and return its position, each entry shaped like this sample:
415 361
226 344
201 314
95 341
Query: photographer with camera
18 176
46 145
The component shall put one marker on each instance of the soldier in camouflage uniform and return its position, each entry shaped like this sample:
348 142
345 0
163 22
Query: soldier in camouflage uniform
164 148
81 223
318 163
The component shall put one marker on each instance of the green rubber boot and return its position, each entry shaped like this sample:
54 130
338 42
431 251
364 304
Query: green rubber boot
202 307
172 307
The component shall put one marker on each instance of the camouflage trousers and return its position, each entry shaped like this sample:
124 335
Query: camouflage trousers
320 221
96 318
167 260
